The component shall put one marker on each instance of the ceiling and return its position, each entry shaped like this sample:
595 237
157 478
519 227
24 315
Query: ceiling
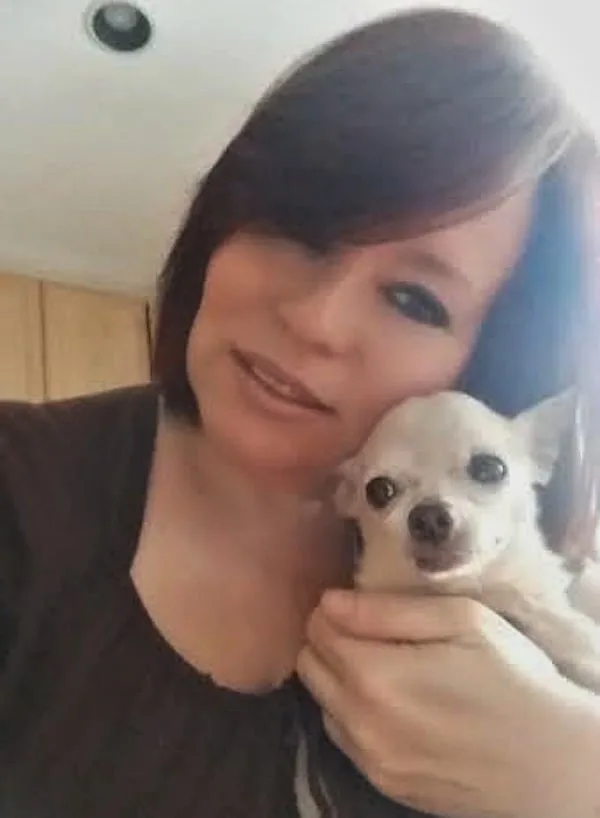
99 152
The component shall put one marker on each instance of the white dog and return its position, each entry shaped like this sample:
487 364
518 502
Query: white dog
444 495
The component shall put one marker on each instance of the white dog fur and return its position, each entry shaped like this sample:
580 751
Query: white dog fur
494 551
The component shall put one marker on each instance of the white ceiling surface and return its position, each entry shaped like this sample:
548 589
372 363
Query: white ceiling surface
99 151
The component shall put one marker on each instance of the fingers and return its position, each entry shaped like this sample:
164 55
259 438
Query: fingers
402 617
347 716
345 674
324 683
353 659
340 736
340 670
335 724
365 729
331 645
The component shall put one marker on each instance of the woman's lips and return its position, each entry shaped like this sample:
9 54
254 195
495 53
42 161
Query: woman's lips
277 382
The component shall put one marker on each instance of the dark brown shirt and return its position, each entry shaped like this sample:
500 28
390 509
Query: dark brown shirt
99 716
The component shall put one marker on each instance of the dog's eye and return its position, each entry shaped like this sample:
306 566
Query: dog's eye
380 491
488 469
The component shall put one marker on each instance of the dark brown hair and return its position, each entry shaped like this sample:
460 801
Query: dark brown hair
400 126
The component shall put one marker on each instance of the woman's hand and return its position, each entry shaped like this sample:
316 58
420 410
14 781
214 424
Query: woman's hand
446 707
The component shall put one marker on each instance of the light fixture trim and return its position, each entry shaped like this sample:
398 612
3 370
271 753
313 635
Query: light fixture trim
119 26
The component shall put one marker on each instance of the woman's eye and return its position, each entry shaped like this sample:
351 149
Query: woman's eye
418 304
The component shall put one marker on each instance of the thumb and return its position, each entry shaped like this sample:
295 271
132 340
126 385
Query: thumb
404 617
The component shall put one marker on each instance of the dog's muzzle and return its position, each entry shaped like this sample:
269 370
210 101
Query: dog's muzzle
431 522
435 543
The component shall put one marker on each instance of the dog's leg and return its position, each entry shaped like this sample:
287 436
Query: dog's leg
568 637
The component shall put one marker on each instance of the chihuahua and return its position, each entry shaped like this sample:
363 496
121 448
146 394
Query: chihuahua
444 495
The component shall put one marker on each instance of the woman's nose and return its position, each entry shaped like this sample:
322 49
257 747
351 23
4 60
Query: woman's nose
327 317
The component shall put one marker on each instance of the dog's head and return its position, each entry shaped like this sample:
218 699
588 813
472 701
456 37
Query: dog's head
443 484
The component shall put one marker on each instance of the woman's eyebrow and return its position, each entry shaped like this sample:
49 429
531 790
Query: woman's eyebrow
429 262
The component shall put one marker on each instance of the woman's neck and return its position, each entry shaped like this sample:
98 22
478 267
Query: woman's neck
270 516
229 570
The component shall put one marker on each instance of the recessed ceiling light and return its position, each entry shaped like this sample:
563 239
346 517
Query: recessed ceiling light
119 26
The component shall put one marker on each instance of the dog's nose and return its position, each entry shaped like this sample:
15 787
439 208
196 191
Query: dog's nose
430 522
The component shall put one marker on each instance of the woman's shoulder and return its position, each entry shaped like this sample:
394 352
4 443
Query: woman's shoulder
63 464
51 445
84 419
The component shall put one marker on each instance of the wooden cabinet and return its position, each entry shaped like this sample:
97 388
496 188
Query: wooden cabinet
21 346
58 342
152 319
93 341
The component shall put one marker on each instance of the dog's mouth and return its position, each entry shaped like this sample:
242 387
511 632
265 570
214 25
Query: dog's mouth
433 560
442 558
437 543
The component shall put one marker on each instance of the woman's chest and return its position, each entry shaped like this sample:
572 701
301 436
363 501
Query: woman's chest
239 623
233 602
100 717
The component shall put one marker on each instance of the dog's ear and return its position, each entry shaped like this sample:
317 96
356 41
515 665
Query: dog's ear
542 428
347 488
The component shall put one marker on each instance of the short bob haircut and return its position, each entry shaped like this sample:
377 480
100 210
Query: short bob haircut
404 125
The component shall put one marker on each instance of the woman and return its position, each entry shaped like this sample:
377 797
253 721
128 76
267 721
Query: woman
379 228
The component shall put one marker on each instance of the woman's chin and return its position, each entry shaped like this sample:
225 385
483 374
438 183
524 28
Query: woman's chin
295 456
262 434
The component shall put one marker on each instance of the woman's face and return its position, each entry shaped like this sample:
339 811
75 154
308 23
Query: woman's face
294 356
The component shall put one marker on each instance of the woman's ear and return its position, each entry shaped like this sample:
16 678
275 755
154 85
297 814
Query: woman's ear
542 429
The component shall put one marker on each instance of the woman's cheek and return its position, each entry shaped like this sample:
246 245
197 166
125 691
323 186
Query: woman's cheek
422 368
